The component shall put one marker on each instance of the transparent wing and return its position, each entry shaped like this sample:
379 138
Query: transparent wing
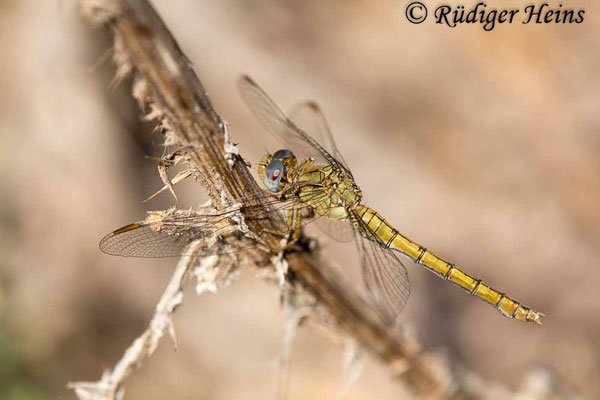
303 145
309 117
340 231
280 126
169 233
144 240
384 275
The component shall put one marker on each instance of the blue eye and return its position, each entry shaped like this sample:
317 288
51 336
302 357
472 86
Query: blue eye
272 176
283 153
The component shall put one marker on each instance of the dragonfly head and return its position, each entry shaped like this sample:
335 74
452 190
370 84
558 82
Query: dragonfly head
273 169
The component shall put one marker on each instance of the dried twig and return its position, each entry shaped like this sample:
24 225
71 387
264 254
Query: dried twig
165 81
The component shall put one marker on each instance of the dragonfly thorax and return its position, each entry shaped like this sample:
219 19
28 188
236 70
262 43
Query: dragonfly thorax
342 188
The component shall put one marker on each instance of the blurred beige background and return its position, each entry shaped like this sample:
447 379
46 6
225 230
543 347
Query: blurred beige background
483 146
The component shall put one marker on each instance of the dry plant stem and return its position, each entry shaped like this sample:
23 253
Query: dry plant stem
144 45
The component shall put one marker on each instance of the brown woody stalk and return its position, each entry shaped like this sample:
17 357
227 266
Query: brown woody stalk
166 81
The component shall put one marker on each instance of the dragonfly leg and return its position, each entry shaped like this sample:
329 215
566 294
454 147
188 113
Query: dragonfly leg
295 231
292 230
304 165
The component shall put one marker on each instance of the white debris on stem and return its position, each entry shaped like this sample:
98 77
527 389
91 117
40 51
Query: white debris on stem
353 366
99 12
122 61
232 151
140 92
541 383
155 113
281 268
207 275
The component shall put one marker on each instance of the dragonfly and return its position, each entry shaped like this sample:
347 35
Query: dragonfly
311 184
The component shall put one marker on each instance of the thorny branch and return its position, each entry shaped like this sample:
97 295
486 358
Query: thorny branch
165 82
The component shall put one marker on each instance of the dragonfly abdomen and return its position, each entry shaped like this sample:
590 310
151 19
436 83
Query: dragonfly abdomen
392 238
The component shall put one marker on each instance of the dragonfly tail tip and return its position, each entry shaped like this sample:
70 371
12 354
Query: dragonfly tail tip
537 317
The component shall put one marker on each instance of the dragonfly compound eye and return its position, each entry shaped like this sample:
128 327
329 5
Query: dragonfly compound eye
266 160
272 176
287 158
281 154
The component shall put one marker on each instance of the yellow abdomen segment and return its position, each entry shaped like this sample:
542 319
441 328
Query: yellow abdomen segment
395 240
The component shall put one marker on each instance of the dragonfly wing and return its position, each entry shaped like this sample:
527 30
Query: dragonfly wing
272 118
169 233
340 231
144 240
384 275
139 240
309 117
